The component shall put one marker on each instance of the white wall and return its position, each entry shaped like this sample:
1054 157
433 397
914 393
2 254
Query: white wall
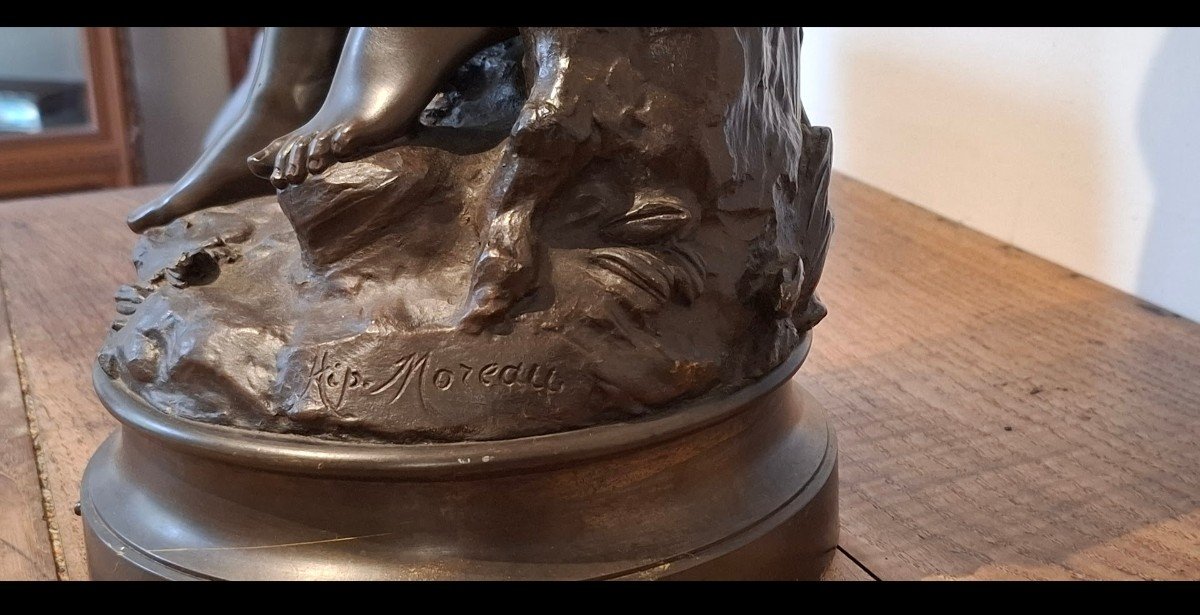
181 79
1079 145
41 54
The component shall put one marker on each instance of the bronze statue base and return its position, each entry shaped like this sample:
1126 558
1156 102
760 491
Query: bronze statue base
743 487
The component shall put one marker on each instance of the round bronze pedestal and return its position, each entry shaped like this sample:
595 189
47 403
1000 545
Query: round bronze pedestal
740 488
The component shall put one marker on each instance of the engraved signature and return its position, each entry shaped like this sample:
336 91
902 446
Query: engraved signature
533 376
407 367
337 381
332 380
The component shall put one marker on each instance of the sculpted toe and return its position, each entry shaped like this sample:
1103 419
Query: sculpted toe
297 164
344 139
318 153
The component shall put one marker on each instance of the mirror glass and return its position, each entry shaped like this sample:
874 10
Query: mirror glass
43 80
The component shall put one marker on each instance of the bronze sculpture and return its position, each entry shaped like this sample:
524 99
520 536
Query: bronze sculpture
495 264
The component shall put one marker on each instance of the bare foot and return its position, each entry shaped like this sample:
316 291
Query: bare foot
384 79
291 78
336 133
218 177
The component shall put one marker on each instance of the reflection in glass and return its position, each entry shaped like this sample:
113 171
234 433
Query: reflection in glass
43 79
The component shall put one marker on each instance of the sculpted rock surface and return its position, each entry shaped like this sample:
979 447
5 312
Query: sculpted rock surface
644 228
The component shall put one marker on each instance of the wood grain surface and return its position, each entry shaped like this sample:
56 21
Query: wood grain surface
63 258
998 416
24 540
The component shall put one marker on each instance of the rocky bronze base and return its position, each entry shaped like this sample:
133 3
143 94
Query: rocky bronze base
743 487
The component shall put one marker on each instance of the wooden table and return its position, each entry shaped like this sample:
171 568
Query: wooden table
998 416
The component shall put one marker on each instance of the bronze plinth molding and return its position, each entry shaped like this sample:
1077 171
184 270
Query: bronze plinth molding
741 488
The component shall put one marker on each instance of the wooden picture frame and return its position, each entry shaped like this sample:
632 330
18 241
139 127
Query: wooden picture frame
100 154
